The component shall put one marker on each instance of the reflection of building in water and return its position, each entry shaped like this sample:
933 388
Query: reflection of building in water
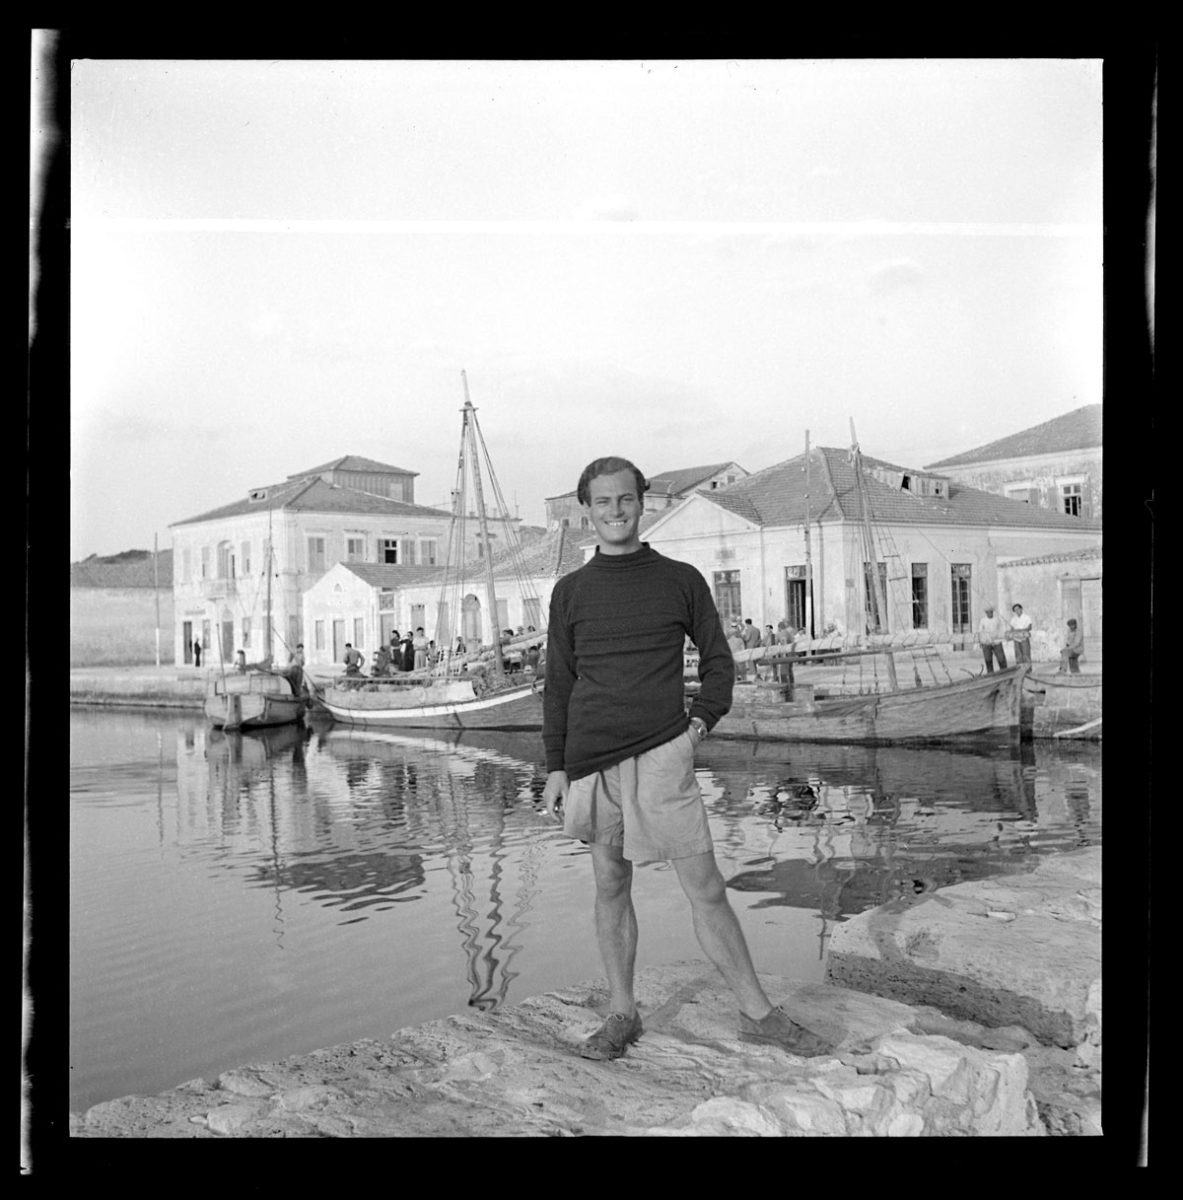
840 829
456 796
355 819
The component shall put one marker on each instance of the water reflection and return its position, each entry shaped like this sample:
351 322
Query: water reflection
866 825
366 849
238 897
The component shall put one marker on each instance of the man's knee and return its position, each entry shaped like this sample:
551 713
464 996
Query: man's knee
614 875
701 880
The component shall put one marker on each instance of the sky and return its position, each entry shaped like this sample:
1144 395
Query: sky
274 264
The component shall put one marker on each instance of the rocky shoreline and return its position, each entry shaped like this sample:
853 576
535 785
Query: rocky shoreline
1011 1048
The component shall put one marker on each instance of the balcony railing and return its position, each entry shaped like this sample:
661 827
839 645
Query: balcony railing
219 587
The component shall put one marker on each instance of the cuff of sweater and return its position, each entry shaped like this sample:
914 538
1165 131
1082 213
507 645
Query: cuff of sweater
703 716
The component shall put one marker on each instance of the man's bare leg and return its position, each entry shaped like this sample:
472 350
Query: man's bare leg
719 933
616 924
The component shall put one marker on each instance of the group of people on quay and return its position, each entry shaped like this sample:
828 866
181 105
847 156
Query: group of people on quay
404 652
416 652
744 634
994 631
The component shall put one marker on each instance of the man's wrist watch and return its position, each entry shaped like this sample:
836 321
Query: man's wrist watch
699 726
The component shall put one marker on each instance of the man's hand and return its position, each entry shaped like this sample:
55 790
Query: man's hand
555 793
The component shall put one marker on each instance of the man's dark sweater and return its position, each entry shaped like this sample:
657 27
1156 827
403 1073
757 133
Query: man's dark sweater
614 659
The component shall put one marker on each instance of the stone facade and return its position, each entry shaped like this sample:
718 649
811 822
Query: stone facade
1057 465
220 560
1068 482
1051 588
758 571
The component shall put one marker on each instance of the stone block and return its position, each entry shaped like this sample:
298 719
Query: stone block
1037 970
231 1118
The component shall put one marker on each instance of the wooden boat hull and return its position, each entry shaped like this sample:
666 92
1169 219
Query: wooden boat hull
986 707
1065 706
252 701
518 708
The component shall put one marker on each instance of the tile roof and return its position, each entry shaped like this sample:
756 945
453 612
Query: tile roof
777 496
1066 556
671 482
541 554
388 575
312 494
1077 430
353 462
674 483
555 553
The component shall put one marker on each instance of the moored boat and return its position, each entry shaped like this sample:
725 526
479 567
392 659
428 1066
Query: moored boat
251 700
1065 705
985 707
469 690
459 703
255 696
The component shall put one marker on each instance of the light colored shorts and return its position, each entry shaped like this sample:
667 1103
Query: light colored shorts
650 805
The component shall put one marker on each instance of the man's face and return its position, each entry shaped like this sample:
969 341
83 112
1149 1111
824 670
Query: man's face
615 509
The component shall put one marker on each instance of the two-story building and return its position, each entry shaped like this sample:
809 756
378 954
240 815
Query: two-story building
273 544
791 542
1056 465
362 604
665 490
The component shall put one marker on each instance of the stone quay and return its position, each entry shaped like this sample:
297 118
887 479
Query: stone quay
970 1011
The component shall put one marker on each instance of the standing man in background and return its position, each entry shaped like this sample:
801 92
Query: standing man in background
1020 632
991 631
620 749
1073 645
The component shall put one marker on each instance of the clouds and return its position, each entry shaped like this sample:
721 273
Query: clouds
663 260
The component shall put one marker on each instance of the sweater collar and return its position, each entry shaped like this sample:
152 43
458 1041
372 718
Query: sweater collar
620 562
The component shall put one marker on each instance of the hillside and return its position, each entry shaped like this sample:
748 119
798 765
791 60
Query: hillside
128 569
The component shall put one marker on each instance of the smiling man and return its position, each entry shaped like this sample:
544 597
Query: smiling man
620 748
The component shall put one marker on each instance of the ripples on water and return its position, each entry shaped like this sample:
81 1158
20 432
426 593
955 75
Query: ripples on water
239 898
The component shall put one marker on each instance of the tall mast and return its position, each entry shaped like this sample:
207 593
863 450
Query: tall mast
469 440
808 558
873 582
267 566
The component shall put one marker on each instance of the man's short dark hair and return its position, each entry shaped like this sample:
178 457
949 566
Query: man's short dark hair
608 466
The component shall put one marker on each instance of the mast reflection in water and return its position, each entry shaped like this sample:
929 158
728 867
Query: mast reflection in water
238 898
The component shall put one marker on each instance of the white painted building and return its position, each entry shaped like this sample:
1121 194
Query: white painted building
352 510
1057 465
938 544
362 603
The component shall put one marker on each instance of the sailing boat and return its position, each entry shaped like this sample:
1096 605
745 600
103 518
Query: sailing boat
463 690
986 707
251 697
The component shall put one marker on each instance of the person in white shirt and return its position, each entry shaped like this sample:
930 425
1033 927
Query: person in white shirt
991 631
1020 634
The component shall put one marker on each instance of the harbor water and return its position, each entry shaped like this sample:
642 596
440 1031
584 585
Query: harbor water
239 898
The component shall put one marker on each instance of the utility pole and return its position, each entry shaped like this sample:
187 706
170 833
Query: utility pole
808 557
156 588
